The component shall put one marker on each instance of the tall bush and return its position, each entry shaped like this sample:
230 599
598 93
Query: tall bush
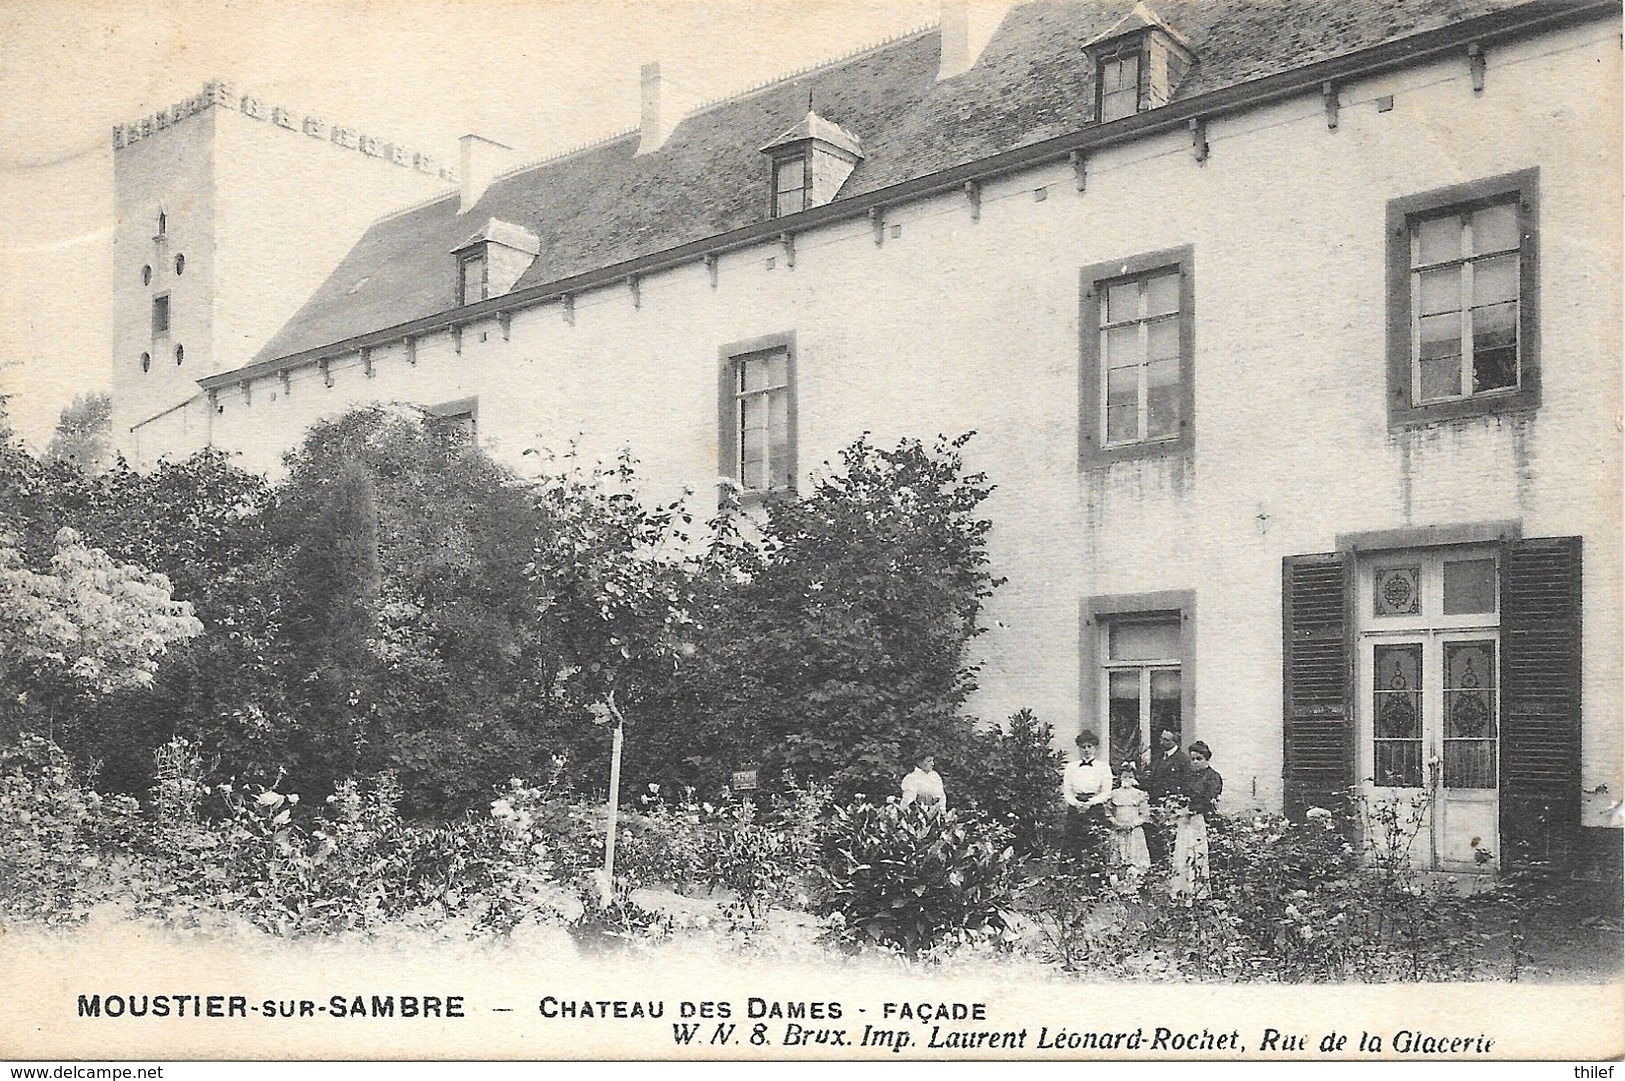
1015 778
836 647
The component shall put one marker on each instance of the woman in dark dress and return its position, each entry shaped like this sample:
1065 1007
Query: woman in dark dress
1201 788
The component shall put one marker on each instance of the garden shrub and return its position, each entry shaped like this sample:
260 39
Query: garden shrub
207 852
908 878
835 645
764 860
354 866
1291 901
617 922
61 843
1014 777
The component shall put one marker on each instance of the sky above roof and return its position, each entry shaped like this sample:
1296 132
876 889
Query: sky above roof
539 75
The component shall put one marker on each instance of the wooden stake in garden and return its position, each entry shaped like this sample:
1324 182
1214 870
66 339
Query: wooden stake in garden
617 735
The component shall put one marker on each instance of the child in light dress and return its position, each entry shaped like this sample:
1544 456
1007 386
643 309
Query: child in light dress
1128 809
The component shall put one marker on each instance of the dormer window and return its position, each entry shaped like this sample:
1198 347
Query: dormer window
163 226
791 185
473 277
1138 65
492 261
1119 82
810 163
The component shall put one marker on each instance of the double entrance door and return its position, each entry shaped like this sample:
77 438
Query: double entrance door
1429 662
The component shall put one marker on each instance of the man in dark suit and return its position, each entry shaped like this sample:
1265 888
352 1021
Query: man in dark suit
1165 777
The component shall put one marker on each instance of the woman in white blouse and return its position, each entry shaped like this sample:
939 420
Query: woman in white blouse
924 785
1085 785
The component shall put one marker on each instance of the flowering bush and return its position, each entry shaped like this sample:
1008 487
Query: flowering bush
761 861
616 921
1330 898
1291 901
59 840
253 853
909 877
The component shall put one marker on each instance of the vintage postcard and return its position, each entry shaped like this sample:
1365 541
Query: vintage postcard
896 532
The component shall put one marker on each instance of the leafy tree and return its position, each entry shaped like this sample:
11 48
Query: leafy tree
200 522
88 626
614 583
426 660
837 650
84 433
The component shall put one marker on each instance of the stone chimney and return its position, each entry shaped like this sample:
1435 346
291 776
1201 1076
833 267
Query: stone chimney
967 27
482 159
660 112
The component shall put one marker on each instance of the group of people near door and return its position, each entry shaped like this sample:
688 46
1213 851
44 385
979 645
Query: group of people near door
1123 824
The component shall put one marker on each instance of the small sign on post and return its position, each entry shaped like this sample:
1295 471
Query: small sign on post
744 780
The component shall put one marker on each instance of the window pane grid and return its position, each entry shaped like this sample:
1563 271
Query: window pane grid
1141 662
1465 304
762 418
790 186
472 287
1119 86
1140 353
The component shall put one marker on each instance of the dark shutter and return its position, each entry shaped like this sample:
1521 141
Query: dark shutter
1540 699
1317 669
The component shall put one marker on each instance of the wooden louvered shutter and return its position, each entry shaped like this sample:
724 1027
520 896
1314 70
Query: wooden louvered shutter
1540 699
1318 671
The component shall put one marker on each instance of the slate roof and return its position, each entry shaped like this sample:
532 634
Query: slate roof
605 205
504 233
816 128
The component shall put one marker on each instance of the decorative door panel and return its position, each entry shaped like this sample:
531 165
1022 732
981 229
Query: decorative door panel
1429 662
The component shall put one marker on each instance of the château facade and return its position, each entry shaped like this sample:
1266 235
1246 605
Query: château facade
1291 335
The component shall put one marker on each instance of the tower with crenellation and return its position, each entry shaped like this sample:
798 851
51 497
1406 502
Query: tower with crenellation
230 211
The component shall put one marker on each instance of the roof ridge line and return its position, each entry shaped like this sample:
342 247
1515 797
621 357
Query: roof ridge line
756 88
428 200
548 159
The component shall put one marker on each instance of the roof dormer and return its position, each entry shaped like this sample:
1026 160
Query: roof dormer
1139 63
492 261
810 163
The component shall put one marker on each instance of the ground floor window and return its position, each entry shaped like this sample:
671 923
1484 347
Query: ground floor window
1137 653
1143 683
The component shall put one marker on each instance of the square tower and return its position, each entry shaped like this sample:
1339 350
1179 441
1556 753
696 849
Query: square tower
230 212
